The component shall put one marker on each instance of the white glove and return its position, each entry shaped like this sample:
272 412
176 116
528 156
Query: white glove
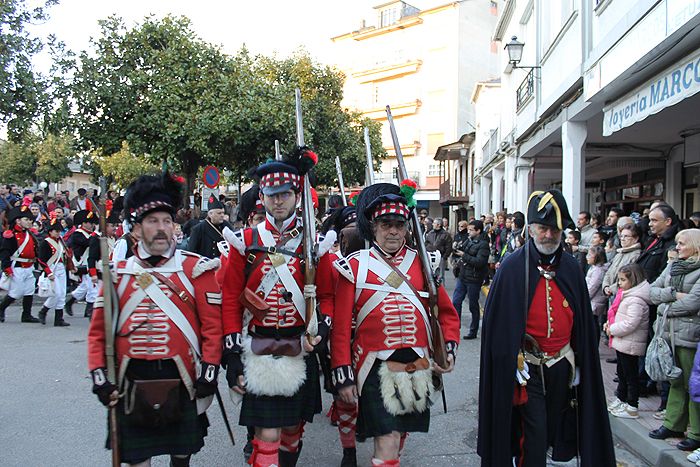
577 377
522 375
310 291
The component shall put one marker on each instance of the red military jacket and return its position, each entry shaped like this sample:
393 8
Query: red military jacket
246 267
11 241
145 331
387 318
550 319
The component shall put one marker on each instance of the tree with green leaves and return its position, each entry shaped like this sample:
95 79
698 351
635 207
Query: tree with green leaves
175 98
37 159
124 166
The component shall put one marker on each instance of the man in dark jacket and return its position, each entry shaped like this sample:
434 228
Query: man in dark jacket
460 239
540 383
439 240
663 227
473 264
207 234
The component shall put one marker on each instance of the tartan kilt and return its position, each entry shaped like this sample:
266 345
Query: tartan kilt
374 420
137 443
281 411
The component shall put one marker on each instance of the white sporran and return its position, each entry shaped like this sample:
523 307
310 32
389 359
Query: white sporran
268 375
404 392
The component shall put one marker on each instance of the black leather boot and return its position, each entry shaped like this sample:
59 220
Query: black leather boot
3 306
58 319
27 310
179 461
289 459
69 306
349 458
42 314
88 310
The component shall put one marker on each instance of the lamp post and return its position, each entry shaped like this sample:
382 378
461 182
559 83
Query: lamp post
515 53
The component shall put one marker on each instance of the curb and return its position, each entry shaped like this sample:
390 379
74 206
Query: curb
655 452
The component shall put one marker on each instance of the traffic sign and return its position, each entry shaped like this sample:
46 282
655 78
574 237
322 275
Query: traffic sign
210 176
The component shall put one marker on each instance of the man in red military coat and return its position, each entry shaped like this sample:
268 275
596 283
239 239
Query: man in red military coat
387 365
168 329
264 280
18 253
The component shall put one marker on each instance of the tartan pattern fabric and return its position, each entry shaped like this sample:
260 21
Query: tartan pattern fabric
151 206
391 207
138 443
374 420
279 411
279 178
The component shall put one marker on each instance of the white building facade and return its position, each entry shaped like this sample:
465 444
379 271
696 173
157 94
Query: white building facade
424 63
606 114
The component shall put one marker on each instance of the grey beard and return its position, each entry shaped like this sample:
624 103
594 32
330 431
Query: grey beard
546 249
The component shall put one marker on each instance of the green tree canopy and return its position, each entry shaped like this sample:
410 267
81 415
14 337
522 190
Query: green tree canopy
174 97
37 159
123 167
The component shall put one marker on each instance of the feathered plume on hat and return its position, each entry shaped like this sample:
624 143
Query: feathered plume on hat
370 199
150 193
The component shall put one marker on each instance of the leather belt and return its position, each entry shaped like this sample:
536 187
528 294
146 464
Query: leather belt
549 360
412 367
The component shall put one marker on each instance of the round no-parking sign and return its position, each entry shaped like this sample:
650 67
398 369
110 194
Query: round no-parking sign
211 176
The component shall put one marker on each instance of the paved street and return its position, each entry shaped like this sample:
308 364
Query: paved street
49 417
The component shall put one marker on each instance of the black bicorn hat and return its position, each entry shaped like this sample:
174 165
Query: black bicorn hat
55 224
113 217
214 203
19 212
549 208
83 216
150 193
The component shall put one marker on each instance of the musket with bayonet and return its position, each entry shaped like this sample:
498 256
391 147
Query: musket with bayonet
341 184
438 340
110 318
369 171
309 235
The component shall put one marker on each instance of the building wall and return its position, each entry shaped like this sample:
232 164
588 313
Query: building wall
443 57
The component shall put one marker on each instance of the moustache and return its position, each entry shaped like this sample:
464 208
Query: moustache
160 236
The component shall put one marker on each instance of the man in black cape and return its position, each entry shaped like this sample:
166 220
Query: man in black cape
529 392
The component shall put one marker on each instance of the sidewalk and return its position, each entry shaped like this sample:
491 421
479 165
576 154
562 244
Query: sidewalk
635 433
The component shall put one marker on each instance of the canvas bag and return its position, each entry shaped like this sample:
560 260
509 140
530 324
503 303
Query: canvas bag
659 363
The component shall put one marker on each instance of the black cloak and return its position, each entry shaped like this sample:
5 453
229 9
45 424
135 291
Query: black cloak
502 331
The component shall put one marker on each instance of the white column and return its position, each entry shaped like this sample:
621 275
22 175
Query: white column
674 180
485 196
509 192
573 166
522 186
476 193
496 183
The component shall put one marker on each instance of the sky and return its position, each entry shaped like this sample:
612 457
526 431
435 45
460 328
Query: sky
267 27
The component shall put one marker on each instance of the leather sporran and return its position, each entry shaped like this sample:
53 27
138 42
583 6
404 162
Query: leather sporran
153 403
279 346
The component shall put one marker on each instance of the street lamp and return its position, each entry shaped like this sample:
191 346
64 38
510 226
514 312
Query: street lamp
515 53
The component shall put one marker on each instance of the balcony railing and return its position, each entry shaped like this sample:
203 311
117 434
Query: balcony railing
450 195
525 90
491 146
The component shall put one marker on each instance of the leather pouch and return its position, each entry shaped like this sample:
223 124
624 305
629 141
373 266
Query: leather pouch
254 303
154 403
277 346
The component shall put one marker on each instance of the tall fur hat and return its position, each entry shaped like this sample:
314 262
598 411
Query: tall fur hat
278 176
150 193
250 203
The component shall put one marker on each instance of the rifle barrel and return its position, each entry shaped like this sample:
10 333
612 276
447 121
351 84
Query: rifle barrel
309 230
341 184
369 171
278 153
